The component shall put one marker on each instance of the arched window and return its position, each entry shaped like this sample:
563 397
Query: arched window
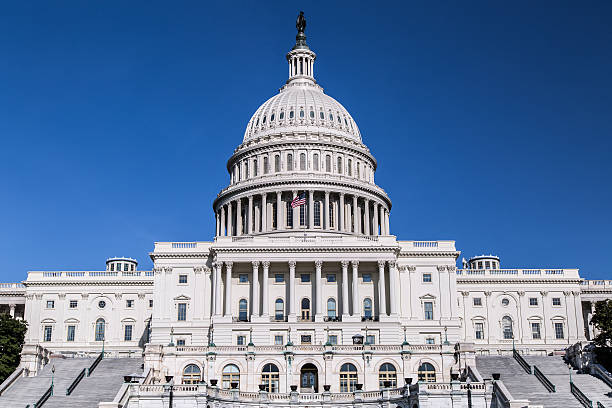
311 114
339 164
358 170
272 117
279 310
246 169
331 307
191 374
302 161
301 113
255 168
315 162
291 115
321 115
349 164
266 165
100 328
427 373
367 307
387 376
282 115
243 310
348 377
289 162
277 163
305 309
507 327
231 374
270 377
328 163
331 116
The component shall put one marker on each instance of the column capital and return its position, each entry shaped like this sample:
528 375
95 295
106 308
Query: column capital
521 293
292 264
381 264
255 264
344 264
355 263
266 264
318 263
229 265
392 264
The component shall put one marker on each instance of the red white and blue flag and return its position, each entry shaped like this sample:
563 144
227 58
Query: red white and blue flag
300 199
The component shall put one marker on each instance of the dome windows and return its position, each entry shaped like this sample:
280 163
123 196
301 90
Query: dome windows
301 113
338 117
322 115
331 116
257 122
289 162
315 162
302 161
291 115
264 120
311 114
282 115
272 117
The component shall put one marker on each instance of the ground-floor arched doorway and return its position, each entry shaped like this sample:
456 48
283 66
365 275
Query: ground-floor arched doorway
309 378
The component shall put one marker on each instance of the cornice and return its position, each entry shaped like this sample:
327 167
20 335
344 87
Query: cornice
461 280
349 249
406 254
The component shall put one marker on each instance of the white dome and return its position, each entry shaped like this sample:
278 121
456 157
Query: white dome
301 106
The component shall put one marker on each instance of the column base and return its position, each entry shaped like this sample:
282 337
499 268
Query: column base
351 319
222 319
260 319
346 317
292 319
319 318
390 318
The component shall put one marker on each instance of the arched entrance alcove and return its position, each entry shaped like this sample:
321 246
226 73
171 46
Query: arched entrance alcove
309 378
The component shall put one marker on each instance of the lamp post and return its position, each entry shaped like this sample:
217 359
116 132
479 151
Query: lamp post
52 377
468 381
445 336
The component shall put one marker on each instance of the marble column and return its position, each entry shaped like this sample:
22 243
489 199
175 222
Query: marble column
382 299
217 224
356 300
264 285
230 220
387 226
279 211
345 289
249 218
223 220
366 223
217 285
291 303
255 299
326 212
341 213
375 223
12 310
310 209
354 216
228 288
296 213
318 296
239 217
393 287
264 212
382 220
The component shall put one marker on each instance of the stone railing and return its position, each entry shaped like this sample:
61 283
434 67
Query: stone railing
314 240
12 286
518 273
314 348
75 275
596 285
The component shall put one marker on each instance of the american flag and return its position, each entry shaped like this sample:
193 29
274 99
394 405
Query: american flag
300 199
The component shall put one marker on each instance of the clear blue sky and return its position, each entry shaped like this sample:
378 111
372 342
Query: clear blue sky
491 121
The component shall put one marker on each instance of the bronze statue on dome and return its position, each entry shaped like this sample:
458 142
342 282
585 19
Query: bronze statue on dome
300 24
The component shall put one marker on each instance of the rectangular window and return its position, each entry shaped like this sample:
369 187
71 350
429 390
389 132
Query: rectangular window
533 301
279 278
331 215
50 304
479 264
427 277
126 267
370 339
317 213
367 277
74 304
118 266
303 215
112 268
243 278
479 329
556 301
331 277
241 340
182 278
559 331
70 334
487 265
48 332
477 301
127 333
306 339
289 215
180 342
129 303
332 339
150 302
182 311
305 278
428 307
535 330
430 340
278 340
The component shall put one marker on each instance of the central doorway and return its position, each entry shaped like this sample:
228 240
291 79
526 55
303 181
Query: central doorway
309 378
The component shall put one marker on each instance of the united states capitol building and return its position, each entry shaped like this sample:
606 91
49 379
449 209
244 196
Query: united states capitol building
312 304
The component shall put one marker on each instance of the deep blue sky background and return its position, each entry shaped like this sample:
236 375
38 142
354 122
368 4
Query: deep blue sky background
491 121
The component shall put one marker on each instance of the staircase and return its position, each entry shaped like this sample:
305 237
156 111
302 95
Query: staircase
526 386
27 390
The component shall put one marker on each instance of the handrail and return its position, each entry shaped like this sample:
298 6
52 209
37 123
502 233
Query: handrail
95 363
44 397
76 381
545 381
587 403
519 359
600 405
602 373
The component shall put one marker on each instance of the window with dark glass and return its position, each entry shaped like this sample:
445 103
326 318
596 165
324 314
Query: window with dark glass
479 329
270 378
331 307
279 309
182 312
100 329
48 331
559 331
127 334
242 310
70 334
348 377
387 376
428 308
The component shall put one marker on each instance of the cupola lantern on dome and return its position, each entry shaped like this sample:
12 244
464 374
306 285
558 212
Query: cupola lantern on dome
301 58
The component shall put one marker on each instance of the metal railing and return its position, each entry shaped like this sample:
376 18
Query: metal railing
545 381
600 405
519 359
44 397
587 403
76 381
95 364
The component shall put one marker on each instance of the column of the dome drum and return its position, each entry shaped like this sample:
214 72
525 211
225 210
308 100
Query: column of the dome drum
366 207
341 213
355 216
278 211
264 212
382 220
311 209
296 214
230 221
326 211
375 213
239 217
